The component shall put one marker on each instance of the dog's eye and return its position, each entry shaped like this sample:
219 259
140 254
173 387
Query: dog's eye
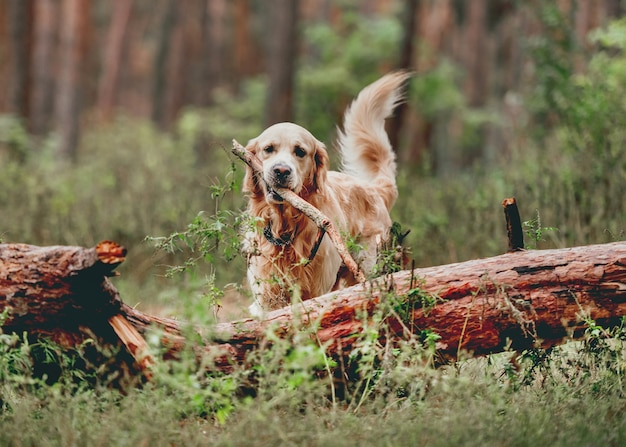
269 149
299 152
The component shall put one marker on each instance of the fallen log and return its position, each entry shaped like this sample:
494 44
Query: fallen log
64 293
516 300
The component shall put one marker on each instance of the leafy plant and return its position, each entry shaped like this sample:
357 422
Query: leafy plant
534 230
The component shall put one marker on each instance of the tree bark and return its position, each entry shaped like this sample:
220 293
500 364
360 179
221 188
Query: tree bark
113 54
73 35
282 51
474 36
43 64
162 54
20 21
214 50
246 53
179 66
405 62
516 300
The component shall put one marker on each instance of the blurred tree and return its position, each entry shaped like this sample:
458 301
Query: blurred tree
405 61
282 19
477 55
73 40
112 57
248 56
45 34
213 58
615 8
20 17
179 64
433 28
375 7
162 51
474 51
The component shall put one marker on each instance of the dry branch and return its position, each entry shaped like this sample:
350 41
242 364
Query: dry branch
482 306
322 222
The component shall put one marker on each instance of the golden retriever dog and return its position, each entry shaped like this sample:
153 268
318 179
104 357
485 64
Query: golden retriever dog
357 199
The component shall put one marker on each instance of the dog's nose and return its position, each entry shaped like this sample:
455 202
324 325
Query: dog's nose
282 172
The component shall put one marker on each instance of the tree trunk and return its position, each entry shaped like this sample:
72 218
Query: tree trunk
20 19
214 45
282 50
113 54
75 15
163 50
247 55
43 64
178 67
405 61
474 35
517 300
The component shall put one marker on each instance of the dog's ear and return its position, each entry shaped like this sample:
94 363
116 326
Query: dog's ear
322 163
250 181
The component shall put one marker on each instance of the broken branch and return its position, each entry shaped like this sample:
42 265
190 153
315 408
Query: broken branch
513 224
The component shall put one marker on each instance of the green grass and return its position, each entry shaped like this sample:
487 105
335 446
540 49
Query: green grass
473 403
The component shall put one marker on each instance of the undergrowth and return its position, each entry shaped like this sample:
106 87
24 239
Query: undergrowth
291 392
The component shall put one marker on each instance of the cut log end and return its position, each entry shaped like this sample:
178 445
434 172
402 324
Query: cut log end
110 252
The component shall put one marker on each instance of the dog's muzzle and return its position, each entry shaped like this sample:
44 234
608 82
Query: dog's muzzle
280 176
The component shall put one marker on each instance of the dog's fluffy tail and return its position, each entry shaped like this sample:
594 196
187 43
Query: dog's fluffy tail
364 145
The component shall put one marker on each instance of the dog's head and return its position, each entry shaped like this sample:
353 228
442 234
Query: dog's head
292 158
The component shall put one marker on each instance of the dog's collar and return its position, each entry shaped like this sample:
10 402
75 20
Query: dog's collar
283 240
287 238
